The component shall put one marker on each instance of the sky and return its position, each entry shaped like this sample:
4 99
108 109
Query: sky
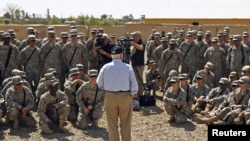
149 8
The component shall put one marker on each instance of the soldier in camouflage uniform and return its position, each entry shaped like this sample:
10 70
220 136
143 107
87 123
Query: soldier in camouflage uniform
207 73
157 55
171 59
70 88
2 108
152 77
246 40
14 72
200 91
19 103
89 45
64 38
74 53
175 100
237 56
13 39
190 55
152 46
181 38
217 56
86 96
50 70
83 76
216 96
53 109
43 87
6 67
171 74
1 36
208 38
232 106
30 61
51 57
202 47
25 42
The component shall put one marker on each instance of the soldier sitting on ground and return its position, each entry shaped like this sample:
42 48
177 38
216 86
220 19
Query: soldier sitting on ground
153 77
90 100
20 100
53 109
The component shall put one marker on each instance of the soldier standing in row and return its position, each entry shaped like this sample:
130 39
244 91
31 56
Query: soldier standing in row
202 47
90 100
53 109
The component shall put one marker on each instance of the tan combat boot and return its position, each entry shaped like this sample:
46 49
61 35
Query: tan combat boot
206 120
61 126
16 123
205 112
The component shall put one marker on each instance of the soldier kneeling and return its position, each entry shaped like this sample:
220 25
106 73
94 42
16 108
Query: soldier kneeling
53 109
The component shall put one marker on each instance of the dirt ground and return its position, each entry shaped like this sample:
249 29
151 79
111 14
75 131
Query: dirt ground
148 124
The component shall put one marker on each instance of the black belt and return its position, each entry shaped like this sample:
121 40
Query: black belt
118 91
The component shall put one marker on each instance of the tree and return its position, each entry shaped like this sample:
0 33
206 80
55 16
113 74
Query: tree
12 8
104 16
7 15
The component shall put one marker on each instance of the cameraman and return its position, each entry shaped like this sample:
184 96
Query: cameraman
137 59
102 48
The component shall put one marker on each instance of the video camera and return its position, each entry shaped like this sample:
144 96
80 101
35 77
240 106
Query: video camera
99 40
125 43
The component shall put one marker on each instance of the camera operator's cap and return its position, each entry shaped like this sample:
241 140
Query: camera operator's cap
152 62
50 28
233 73
183 76
93 72
220 33
116 50
235 83
172 42
208 33
64 34
215 40
80 67
245 34
200 33
6 35
11 31
245 69
31 38
164 39
173 73
223 80
49 76
236 37
209 65
244 79
22 74
74 71
51 34
190 32
73 32
174 79
51 70
136 33
17 80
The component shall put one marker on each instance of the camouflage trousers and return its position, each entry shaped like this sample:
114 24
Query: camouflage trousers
63 113
84 120
73 112
14 113
178 113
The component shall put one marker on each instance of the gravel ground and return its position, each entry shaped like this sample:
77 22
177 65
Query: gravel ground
149 124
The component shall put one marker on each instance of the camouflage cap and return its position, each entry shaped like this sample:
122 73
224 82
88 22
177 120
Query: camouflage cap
6 35
152 62
14 72
64 34
236 37
208 33
209 65
72 27
169 34
245 34
200 33
31 38
94 30
244 79
223 80
137 33
190 32
200 76
226 29
172 42
215 40
51 70
53 82
11 31
30 30
233 73
74 71
183 76
181 32
51 33
17 80
173 73
80 67
22 74
49 76
73 32
81 34
153 31
50 28
164 39
220 33
235 83
1 32
174 79
93 72
245 69
112 35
